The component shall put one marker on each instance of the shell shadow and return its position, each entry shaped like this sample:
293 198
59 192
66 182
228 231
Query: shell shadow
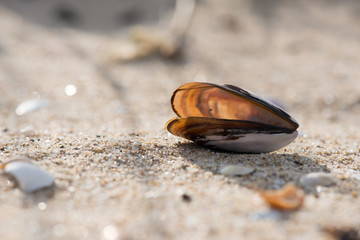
272 170
39 197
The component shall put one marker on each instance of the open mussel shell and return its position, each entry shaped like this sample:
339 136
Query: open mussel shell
229 118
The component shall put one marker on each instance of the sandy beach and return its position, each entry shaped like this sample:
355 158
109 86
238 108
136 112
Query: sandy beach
100 126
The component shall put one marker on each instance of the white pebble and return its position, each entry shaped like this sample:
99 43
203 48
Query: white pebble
30 106
236 170
28 177
317 179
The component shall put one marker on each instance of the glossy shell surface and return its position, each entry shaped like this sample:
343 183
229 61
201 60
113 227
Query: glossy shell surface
29 177
229 118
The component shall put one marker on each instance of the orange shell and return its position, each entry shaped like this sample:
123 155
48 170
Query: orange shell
227 102
287 198
229 118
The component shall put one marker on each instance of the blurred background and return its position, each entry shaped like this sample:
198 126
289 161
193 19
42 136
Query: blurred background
85 90
95 16
74 57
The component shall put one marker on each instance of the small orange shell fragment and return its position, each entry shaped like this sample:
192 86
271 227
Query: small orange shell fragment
287 198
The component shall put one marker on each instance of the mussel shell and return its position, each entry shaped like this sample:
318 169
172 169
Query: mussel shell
227 102
232 135
229 118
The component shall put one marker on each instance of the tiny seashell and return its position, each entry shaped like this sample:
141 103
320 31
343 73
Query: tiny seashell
229 118
31 105
28 177
317 179
236 170
287 198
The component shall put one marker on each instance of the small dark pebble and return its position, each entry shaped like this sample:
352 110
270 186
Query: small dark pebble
342 234
186 198
131 16
184 166
67 15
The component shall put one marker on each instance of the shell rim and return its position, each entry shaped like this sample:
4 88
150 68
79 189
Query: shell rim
175 119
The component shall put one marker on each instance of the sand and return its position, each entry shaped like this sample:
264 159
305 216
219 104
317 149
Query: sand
120 175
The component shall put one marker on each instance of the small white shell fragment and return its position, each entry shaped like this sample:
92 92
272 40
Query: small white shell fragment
317 179
28 177
236 170
31 105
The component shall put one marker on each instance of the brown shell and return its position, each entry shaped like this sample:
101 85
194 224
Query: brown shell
227 102
229 118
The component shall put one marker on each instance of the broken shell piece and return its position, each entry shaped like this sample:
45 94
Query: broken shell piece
30 106
28 177
236 170
317 179
146 41
151 40
160 40
287 198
